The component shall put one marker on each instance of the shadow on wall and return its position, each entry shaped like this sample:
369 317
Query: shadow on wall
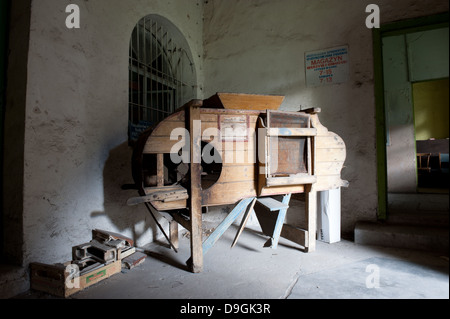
134 221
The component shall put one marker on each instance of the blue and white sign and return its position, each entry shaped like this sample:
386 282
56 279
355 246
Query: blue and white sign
326 67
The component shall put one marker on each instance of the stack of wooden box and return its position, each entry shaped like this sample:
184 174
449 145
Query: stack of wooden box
105 255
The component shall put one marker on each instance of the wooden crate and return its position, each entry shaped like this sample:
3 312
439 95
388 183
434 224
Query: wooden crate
53 279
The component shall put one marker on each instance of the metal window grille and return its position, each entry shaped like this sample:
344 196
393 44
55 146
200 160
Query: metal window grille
159 74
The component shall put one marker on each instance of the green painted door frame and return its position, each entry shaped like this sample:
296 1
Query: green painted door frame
395 28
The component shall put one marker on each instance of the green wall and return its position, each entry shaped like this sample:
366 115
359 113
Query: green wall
431 105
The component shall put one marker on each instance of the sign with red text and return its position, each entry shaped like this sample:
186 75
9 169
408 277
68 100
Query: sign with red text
326 67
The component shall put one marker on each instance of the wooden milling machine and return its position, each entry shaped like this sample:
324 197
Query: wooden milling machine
236 149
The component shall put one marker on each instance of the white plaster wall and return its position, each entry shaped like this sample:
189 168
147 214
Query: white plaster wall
258 46
76 156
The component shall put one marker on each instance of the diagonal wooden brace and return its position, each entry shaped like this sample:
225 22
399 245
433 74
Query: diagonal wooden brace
220 230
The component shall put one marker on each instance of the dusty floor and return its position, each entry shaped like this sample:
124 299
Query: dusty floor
342 270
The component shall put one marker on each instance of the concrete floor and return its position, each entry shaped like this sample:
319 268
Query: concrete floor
342 270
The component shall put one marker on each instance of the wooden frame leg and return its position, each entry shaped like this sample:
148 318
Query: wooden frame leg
280 222
196 260
311 218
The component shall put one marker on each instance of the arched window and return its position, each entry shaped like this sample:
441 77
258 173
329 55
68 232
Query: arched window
162 75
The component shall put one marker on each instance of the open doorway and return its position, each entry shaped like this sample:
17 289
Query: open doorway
411 62
431 114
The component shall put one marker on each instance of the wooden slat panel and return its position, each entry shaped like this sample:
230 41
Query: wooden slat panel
176 117
228 193
238 157
328 168
166 128
208 117
237 173
330 155
329 182
329 141
161 144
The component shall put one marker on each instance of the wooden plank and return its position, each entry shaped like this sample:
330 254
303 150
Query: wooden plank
291 132
294 234
227 193
291 180
244 222
281 190
250 101
272 204
168 188
165 206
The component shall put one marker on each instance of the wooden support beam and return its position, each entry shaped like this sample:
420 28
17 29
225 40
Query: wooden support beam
244 222
196 260
294 234
280 221
298 179
173 233
226 223
311 218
